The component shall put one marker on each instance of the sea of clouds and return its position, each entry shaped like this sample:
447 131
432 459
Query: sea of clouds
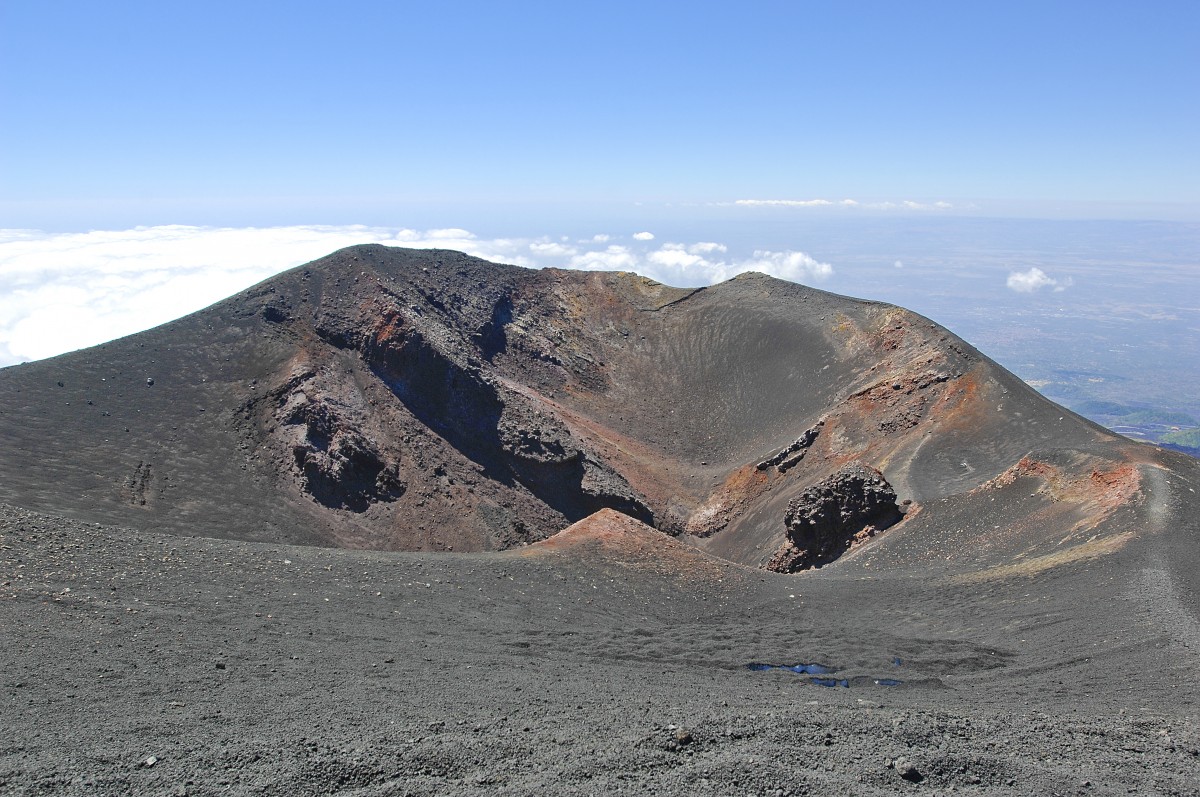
64 291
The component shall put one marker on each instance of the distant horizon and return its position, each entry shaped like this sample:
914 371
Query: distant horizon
83 215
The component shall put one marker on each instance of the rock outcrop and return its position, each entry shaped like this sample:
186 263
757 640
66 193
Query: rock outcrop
830 517
789 457
338 463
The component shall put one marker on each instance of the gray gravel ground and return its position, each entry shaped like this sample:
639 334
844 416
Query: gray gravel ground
134 663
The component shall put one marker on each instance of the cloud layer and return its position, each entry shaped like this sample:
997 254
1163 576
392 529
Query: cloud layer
64 291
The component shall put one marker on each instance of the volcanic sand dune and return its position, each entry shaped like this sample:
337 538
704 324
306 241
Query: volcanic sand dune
217 550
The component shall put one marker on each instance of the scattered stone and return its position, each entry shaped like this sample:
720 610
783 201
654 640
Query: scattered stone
905 769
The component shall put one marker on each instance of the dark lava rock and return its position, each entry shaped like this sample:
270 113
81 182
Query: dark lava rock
832 515
339 465
791 456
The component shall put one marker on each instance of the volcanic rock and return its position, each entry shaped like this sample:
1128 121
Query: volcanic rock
791 456
826 518
834 514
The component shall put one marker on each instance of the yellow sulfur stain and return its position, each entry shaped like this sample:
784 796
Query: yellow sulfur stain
1091 549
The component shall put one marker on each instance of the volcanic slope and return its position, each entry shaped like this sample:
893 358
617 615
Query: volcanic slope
216 537
384 398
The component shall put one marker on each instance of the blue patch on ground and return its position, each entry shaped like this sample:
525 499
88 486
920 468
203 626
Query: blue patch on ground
804 669
811 669
819 669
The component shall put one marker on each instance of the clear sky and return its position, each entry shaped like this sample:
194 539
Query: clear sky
253 113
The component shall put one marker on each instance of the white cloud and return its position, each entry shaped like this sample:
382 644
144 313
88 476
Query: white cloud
600 239
551 249
789 203
794 266
674 256
678 264
60 292
643 236
614 258
498 250
1030 281
451 234
899 264
64 291
906 204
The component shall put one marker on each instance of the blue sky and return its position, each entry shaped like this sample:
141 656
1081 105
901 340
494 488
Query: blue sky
126 113
1018 171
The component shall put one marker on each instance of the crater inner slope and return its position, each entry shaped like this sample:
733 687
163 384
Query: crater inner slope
384 398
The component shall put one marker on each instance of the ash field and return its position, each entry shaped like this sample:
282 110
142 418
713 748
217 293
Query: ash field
401 522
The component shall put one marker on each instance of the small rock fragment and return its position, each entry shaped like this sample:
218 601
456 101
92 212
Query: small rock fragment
905 769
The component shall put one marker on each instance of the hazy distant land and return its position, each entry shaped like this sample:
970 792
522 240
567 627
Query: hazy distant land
1114 340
